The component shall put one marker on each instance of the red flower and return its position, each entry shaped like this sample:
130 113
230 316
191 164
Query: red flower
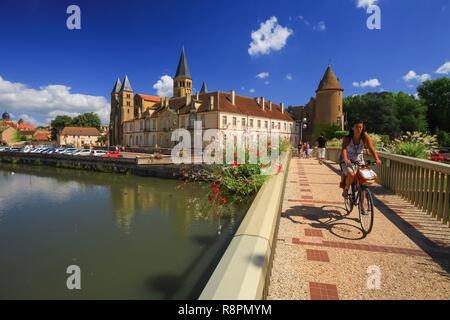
211 198
234 164
279 169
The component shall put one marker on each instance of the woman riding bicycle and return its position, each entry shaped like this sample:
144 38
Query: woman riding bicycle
353 151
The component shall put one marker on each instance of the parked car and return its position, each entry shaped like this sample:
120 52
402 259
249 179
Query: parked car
69 151
99 153
82 152
113 154
14 149
436 157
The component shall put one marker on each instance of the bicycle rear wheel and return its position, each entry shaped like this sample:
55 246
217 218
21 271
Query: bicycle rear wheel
365 208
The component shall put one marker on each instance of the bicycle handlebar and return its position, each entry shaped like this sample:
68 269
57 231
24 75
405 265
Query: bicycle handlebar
366 163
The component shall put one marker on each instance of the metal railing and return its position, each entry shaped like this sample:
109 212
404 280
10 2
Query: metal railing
423 183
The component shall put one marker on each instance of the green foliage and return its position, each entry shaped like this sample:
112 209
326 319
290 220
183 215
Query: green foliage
89 119
410 149
443 138
16 136
328 130
241 180
59 123
436 96
340 134
387 113
415 144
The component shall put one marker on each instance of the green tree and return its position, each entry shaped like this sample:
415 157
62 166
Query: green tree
377 110
59 123
436 95
88 119
387 112
411 113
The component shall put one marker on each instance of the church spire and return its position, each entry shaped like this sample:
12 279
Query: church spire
183 69
117 86
204 89
126 86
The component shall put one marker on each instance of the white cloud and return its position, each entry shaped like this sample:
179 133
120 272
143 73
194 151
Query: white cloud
365 3
164 86
412 75
252 90
444 69
320 26
263 75
267 82
28 119
416 96
46 100
372 83
269 37
289 76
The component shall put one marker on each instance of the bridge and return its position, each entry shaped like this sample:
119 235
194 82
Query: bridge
322 254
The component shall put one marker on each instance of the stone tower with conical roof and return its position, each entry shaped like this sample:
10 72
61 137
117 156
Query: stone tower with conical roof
182 82
328 102
114 120
126 100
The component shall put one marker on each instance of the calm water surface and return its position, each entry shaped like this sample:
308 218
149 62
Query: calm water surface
132 237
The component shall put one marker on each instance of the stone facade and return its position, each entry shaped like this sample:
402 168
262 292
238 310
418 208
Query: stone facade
326 108
225 111
79 137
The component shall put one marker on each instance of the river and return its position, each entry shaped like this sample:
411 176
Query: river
132 237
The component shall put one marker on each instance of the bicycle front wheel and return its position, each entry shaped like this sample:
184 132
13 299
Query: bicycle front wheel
365 208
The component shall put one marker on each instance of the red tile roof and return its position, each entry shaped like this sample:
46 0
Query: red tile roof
41 136
149 98
243 105
79 131
25 127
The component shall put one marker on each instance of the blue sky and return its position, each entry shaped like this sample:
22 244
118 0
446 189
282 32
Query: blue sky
47 69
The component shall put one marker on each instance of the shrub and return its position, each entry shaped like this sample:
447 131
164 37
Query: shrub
340 134
415 144
443 138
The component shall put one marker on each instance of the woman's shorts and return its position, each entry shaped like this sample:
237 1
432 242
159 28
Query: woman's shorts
322 153
346 169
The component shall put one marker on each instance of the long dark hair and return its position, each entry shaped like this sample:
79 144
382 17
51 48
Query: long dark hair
363 132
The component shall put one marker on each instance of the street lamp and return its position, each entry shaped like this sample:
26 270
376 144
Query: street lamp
303 125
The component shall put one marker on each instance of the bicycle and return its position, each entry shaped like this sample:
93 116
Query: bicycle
362 196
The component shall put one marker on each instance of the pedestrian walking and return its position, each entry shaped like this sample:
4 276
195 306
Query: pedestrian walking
322 142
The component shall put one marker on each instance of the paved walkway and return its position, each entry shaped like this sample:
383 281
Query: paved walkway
322 254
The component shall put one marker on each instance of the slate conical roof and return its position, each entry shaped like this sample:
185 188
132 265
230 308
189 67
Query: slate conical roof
126 86
183 69
117 86
204 88
329 81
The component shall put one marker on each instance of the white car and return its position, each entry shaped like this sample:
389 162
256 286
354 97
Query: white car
99 153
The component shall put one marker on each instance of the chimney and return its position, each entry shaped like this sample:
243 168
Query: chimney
270 105
188 99
211 102
233 97
282 107
263 101
258 101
